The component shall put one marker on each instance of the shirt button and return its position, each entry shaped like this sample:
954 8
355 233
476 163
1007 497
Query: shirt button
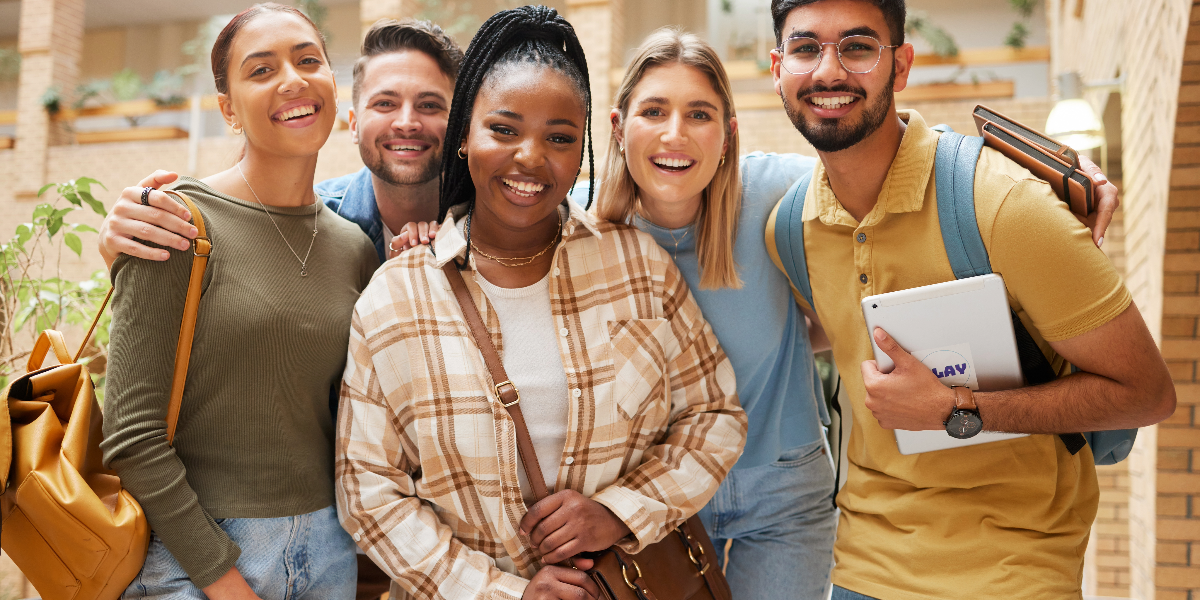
577 392
357 536
562 332
557 272
863 278
570 460
862 237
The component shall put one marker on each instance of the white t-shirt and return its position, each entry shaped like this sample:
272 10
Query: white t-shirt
534 365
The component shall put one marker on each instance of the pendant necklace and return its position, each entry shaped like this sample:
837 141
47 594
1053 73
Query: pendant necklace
316 208
675 252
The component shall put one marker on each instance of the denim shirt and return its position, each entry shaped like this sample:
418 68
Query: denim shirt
759 325
353 197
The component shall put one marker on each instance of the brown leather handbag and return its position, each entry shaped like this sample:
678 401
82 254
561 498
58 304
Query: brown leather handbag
681 566
67 523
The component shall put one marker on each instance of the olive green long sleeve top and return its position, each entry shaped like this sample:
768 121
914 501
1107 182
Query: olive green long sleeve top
255 433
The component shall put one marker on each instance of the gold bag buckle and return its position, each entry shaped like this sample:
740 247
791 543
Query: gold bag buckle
514 389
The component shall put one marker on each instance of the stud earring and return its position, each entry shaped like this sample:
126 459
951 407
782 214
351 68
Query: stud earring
461 154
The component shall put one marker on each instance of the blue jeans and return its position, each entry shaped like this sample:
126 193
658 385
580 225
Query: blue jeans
841 593
307 556
781 520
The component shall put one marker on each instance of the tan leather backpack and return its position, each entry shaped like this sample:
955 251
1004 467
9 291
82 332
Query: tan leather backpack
66 521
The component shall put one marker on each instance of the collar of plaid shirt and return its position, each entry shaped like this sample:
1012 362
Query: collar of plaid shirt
449 242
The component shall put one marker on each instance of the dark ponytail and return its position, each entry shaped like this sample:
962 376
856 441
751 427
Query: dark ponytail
535 34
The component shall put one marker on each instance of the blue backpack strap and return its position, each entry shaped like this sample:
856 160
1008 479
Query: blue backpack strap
957 156
789 236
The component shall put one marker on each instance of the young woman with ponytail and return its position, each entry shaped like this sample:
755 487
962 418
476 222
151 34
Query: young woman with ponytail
628 397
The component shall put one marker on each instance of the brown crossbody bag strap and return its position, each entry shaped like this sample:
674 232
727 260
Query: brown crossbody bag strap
671 558
505 390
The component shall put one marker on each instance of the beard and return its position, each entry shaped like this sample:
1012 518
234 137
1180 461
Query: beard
403 173
834 135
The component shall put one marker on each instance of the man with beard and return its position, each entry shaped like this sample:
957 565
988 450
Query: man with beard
403 84
1000 520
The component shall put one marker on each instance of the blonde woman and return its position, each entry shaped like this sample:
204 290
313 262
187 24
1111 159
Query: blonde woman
673 171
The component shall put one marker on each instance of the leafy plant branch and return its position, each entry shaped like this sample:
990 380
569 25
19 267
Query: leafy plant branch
34 295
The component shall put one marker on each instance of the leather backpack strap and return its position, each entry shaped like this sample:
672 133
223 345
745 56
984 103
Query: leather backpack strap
505 390
201 249
48 340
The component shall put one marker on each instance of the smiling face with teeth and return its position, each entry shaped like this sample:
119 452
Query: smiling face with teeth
675 132
401 124
524 148
280 84
833 108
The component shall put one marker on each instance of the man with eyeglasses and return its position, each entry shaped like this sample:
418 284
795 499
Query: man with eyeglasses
1001 520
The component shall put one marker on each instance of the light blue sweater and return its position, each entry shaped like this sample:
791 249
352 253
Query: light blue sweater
760 327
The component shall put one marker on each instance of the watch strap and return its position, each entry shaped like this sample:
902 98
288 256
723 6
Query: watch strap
964 398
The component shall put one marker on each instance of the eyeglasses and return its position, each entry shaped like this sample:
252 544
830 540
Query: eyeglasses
857 53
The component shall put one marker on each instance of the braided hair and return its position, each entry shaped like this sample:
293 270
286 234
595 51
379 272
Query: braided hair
529 34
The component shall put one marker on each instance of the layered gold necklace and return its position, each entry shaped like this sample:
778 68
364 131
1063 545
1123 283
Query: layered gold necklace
516 261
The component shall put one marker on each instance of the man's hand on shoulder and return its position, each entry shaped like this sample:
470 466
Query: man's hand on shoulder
411 236
160 220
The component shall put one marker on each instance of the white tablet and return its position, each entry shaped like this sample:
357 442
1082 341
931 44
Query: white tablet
962 330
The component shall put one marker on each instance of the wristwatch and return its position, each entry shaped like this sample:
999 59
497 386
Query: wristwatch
964 421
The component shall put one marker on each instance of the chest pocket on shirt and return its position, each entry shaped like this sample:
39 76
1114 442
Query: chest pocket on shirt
639 363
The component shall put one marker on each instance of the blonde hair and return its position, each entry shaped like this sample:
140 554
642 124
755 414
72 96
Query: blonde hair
721 202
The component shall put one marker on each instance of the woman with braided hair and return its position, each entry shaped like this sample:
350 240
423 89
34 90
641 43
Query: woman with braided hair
627 396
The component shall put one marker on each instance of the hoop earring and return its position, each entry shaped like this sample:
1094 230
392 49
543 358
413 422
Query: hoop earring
461 154
722 163
621 148
237 129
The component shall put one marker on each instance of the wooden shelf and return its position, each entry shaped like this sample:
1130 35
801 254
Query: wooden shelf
757 100
6 142
133 134
986 56
957 91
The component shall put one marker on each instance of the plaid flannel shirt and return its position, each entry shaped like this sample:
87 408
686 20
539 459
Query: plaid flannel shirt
427 456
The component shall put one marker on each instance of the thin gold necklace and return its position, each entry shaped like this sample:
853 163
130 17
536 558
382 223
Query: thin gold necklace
316 208
523 260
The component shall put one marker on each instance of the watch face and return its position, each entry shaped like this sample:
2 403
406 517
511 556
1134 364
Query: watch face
964 424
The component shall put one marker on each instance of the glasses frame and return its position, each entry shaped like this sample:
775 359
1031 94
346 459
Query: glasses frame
837 46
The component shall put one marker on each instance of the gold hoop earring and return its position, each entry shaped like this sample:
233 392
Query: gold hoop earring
722 163
237 129
461 154
621 148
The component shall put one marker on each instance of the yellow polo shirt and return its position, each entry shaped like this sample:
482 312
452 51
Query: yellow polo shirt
1002 520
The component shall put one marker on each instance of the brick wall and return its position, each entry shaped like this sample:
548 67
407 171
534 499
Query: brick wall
1178 548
